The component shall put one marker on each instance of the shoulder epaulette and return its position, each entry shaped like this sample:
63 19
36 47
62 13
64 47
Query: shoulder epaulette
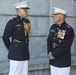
68 26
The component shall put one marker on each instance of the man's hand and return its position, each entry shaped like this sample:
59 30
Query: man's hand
50 56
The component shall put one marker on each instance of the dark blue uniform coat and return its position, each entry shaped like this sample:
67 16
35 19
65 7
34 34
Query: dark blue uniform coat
59 43
18 46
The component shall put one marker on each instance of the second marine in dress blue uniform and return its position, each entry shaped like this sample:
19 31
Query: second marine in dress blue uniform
59 43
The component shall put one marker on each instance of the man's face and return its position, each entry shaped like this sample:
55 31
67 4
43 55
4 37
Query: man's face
23 12
57 18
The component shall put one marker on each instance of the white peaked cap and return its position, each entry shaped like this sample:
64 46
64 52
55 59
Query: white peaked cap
24 4
59 11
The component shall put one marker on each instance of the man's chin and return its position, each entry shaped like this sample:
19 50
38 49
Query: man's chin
55 21
26 15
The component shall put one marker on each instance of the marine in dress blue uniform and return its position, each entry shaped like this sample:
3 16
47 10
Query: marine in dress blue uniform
59 45
18 29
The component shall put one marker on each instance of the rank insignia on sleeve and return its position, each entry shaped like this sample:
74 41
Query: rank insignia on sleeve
52 30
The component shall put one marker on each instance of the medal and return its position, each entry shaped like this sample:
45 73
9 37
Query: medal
61 34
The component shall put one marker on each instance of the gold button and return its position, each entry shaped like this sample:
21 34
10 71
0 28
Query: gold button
54 38
57 28
55 33
19 28
60 41
15 45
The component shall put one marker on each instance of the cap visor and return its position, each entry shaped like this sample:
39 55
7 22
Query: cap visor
57 13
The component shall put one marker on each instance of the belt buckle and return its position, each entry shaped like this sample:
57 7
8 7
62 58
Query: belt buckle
54 45
15 40
18 41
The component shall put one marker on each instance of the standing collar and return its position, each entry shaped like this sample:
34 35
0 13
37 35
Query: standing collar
60 25
19 18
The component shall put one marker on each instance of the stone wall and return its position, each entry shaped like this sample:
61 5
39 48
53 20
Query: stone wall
41 19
